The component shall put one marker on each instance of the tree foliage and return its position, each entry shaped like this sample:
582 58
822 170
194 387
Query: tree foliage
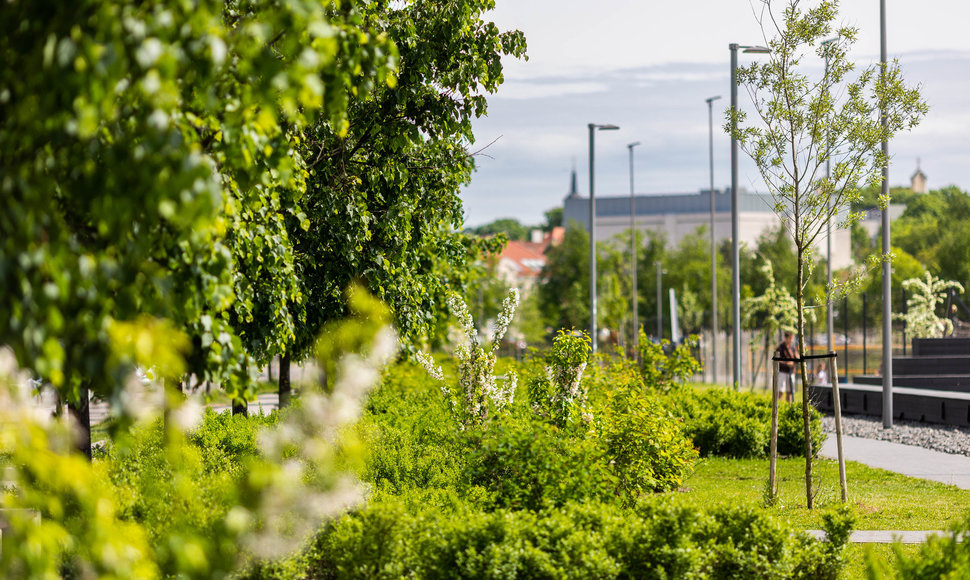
382 203
147 154
511 227
934 229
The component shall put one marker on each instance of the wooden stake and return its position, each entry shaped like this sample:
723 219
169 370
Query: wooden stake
837 407
773 453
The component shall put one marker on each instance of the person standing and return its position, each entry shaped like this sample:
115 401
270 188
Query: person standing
786 369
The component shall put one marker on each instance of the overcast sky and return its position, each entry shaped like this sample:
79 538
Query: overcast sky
649 66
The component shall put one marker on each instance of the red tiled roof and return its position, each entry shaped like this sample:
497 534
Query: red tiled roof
526 256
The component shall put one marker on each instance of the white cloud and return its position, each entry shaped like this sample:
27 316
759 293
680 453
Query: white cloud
517 89
648 69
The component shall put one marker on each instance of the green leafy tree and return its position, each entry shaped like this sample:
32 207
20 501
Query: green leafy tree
553 219
564 290
139 146
869 197
934 229
511 227
802 123
382 203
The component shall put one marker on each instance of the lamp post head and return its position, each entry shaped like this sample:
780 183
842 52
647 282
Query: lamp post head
712 99
630 146
830 40
606 127
755 49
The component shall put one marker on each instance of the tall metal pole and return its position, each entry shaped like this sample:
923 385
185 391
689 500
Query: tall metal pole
735 226
593 127
887 275
633 258
710 124
660 302
592 242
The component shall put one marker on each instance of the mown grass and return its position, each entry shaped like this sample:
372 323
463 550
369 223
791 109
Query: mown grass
882 500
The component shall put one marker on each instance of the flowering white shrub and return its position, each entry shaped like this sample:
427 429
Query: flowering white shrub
478 394
925 294
62 507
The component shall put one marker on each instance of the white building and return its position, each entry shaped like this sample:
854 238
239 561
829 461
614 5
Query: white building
680 214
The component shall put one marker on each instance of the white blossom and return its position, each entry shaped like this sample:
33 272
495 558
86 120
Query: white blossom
477 390
926 294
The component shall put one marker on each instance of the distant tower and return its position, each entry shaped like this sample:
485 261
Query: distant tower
573 192
918 180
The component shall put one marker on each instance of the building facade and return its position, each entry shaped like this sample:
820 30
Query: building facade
678 215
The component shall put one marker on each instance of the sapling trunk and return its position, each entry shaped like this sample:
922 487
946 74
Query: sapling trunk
806 416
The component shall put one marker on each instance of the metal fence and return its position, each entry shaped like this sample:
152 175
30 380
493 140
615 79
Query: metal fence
856 333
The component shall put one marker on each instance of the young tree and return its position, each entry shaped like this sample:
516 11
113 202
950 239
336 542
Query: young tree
926 295
804 122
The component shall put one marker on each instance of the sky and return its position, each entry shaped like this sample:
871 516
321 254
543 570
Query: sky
649 66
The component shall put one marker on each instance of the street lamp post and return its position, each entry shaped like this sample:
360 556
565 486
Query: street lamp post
593 127
735 226
887 277
660 303
710 122
633 256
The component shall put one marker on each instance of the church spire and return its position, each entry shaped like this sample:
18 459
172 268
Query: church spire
573 191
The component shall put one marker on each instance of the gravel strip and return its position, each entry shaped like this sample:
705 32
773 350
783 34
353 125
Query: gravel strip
943 438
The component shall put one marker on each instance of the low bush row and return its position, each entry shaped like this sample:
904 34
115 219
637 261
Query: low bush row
734 424
652 540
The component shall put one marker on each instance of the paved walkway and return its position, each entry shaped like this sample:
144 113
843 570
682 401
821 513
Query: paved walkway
906 459
265 402
884 536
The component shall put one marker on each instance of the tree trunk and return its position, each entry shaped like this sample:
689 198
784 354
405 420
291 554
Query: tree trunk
240 407
806 417
284 380
81 411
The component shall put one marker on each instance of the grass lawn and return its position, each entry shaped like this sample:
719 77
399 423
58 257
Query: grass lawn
882 500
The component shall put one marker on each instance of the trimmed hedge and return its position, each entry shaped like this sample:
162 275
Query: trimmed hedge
654 540
727 423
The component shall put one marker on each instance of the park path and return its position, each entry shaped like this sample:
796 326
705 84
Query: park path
908 460
905 459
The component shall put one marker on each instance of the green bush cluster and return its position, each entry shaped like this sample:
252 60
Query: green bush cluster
181 494
652 540
733 424
627 445
944 556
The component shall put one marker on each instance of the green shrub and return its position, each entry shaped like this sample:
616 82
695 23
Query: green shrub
642 442
728 423
654 540
178 495
557 393
662 371
225 440
532 464
410 437
946 556
791 430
